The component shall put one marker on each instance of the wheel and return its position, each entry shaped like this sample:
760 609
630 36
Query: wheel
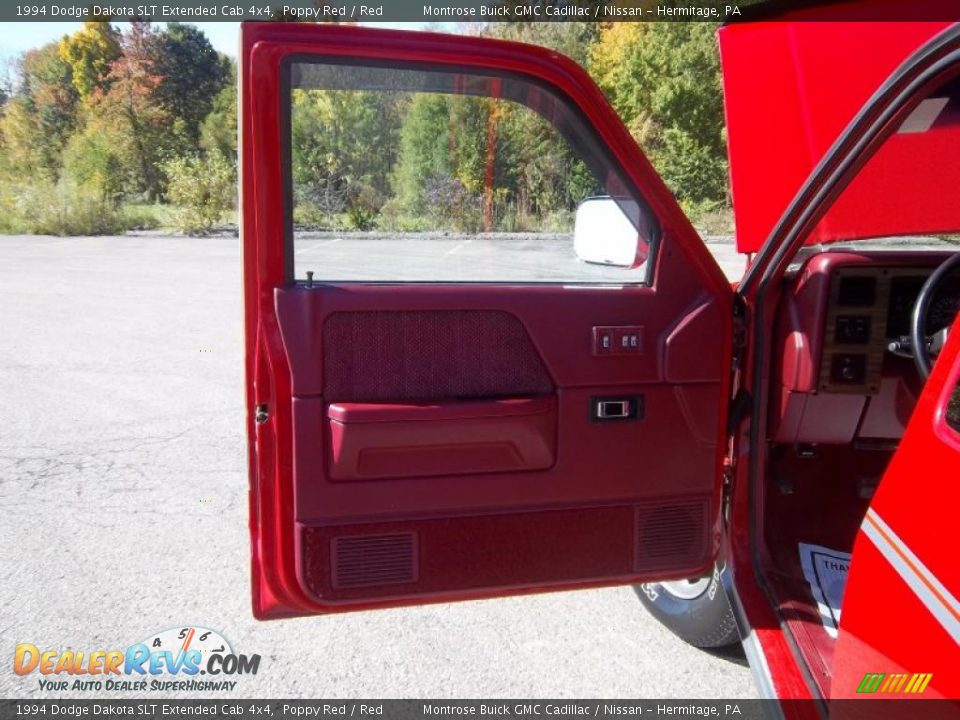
697 610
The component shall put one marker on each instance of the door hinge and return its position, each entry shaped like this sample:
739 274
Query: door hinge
739 410
740 403
739 325
261 414
726 494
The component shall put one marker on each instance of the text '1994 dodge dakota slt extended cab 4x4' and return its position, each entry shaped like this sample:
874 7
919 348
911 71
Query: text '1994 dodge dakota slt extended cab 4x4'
568 393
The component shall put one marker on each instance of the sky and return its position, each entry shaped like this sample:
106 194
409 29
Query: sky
20 36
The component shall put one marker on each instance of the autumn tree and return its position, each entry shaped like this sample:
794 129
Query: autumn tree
573 39
90 52
132 111
42 113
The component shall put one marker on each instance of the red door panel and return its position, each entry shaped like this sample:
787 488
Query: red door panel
418 442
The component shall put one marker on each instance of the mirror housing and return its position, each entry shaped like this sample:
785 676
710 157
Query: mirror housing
610 231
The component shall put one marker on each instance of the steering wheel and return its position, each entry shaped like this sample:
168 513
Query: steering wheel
925 347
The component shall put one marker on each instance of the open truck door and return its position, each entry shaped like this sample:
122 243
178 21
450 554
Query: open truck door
421 432
904 570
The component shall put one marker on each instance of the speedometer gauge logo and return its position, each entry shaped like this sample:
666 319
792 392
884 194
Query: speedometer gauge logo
184 639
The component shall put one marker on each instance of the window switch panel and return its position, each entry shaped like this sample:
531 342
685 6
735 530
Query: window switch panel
617 340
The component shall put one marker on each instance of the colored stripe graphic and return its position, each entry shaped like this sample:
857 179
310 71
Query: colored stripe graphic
870 683
929 590
893 683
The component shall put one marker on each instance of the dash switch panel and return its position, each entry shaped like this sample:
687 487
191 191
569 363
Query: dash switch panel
617 340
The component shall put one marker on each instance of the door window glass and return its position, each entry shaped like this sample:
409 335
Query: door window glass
399 174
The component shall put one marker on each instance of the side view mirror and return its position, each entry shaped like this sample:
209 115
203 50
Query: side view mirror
604 233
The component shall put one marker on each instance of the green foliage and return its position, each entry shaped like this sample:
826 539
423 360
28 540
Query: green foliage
573 39
114 119
342 141
359 218
423 155
190 75
144 132
218 132
93 160
204 189
38 121
664 80
693 169
90 52
474 164
63 208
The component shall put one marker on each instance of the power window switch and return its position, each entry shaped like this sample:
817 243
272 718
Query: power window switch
617 339
603 341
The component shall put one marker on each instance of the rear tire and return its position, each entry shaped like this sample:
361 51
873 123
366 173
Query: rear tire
697 611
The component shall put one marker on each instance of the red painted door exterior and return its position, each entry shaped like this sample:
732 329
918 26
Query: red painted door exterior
901 615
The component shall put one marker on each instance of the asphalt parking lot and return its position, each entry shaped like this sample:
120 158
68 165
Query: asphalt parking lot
123 491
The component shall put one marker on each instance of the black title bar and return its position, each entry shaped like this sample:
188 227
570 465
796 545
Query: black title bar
430 11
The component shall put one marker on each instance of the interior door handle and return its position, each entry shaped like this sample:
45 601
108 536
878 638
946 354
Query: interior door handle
613 409
603 409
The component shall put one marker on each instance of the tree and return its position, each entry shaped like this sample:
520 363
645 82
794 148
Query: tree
342 146
424 155
218 132
40 117
203 188
573 39
90 52
94 160
664 80
130 105
191 75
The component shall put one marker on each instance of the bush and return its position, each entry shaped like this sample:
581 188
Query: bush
692 169
307 215
451 205
359 218
91 159
142 217
709 217
203 188
394 217
64 208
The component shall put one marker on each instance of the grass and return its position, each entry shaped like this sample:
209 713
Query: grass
147 216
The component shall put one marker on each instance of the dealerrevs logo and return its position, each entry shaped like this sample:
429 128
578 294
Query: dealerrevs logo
171 660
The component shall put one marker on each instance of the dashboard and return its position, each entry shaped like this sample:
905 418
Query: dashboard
835 380
869 307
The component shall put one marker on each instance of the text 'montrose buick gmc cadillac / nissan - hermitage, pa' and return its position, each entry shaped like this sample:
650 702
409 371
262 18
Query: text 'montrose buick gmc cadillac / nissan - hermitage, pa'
596 405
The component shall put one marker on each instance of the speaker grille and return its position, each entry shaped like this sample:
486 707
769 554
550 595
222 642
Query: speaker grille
365 560
671 536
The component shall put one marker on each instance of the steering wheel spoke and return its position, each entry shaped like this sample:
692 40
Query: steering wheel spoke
926 347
